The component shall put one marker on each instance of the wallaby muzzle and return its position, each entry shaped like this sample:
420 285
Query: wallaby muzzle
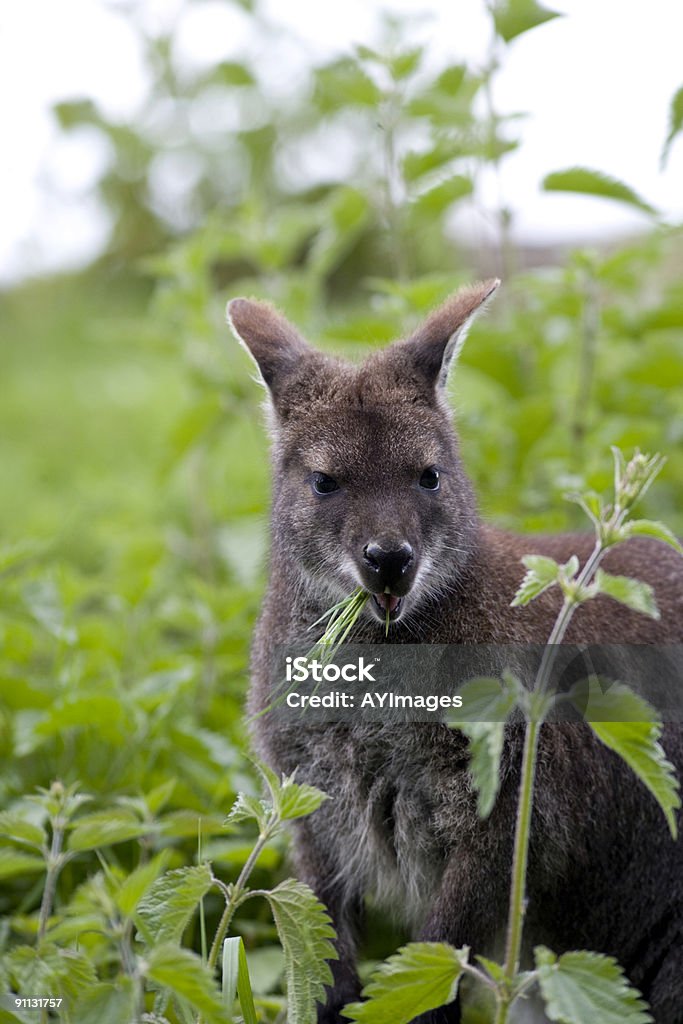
388 570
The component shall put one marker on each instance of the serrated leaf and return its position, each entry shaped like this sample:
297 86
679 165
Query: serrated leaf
513 17
584 181
488 699
62 972
183 973
13 827
420 977
105 828
107 1003
135 885
248 808
163 913
635 594
541 574
306 935
296 800
651 528
584 988
631 727
675 122
486 705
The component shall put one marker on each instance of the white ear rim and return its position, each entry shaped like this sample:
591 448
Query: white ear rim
258 376
456 342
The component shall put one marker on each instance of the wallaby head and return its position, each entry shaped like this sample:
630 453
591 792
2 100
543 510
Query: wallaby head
369 489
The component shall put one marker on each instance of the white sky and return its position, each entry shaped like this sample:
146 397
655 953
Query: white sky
596 83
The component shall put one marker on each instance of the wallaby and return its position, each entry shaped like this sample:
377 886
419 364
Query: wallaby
369 490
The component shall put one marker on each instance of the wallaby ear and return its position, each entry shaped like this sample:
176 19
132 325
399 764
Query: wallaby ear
275 345
436 344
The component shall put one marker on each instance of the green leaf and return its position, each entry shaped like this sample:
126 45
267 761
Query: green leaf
249 808
48 969
513 17
43 600
290 799
542 573
164 911
158 797
342 84
297 800
402 65
74 113
16 862
236 979
13 827
450 79
486 705
590 502
651 528
346 215
306 935
105 828
587 988
232 73
416 165
493 969
135 885
437 200
183 973
420 977
631 727
635 594
675 123
595 183
106 1003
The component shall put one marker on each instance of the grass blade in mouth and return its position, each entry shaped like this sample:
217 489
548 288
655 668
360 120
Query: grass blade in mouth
340 619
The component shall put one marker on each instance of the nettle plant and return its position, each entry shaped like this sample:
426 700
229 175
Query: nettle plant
579 987
140 917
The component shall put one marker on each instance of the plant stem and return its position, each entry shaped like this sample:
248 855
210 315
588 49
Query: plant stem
513 943
517 906
55 863
237 890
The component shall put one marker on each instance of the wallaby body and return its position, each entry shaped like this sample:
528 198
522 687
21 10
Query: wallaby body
369 489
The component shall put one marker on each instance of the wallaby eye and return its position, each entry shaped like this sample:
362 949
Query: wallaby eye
324 484
430 479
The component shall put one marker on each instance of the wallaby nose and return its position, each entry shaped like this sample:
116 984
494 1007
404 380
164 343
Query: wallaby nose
388 562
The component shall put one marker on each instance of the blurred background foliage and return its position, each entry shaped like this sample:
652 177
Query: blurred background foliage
135 467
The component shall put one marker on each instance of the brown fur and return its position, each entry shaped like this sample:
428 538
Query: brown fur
401 824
